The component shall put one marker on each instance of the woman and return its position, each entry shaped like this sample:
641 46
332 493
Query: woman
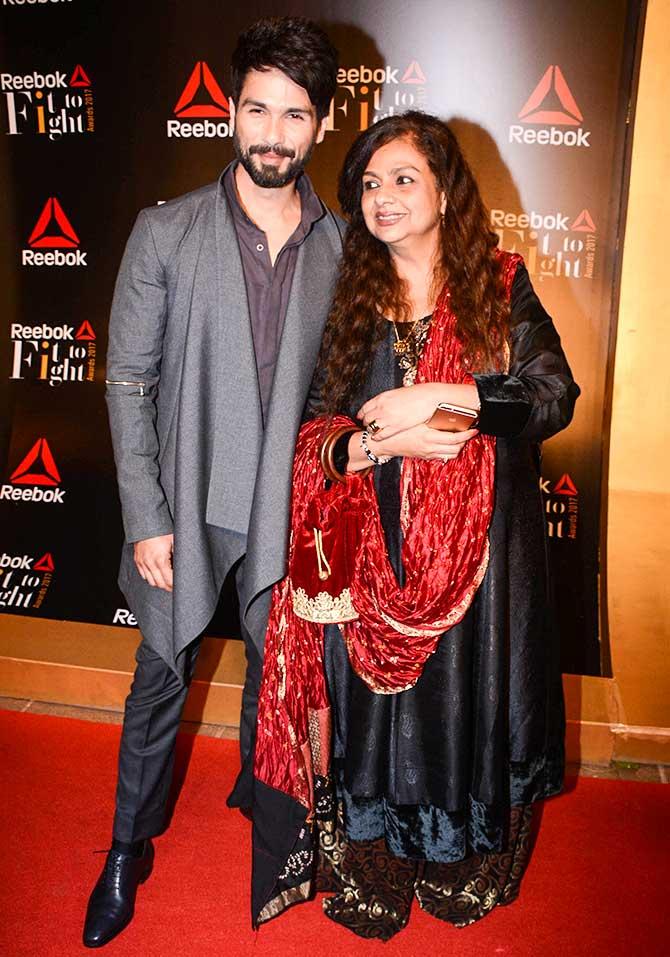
411 736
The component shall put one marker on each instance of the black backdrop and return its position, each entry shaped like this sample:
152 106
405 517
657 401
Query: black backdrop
106 108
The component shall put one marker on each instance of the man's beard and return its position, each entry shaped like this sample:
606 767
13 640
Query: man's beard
270 177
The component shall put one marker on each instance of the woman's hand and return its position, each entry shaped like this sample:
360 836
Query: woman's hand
422 442
401 409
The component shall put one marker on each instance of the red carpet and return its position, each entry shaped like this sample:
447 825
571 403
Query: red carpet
596 885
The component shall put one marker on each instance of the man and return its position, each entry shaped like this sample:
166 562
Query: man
216 323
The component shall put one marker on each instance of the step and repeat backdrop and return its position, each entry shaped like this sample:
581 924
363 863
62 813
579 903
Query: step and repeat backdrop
107 107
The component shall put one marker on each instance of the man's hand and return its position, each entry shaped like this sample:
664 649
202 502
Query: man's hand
153 557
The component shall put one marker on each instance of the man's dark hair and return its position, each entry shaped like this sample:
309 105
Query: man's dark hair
297 47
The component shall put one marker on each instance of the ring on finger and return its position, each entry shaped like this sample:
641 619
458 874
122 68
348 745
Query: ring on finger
374 427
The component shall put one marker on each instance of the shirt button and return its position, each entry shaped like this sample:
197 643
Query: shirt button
260 247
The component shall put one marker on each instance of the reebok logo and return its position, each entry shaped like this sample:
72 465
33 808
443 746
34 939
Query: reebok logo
583 223
33 81
552 243
39 471
202 86
43 564
85 332
561 506
367 94
42 333
44 81
30 3
565 486
123 616
48 104
551 92
24 580
79 77
53 354
414 74
552 105
201 99
37 467
53 230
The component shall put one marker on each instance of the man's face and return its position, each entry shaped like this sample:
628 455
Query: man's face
275 128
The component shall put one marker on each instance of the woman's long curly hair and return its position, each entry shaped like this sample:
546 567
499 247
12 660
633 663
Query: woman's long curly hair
368 287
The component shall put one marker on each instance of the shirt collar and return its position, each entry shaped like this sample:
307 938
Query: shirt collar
311 207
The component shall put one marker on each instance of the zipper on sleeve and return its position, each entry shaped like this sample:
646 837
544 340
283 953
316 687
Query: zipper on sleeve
140 385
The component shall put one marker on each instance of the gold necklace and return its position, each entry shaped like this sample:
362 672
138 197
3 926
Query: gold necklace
401 346
408 350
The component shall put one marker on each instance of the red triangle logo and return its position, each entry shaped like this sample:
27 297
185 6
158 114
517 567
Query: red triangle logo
45 564
37 468
85 332
53 229
551 101
414 74
565 486
79 77
200 82
584 223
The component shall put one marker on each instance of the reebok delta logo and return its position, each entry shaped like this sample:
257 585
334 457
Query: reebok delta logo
38 466
36 478
565 486
202 110
53 231
551 106
553 243
53 354
583 223
539 109
414 75
24 580
48 104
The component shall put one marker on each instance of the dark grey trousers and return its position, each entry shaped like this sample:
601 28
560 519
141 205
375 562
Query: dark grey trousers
151 721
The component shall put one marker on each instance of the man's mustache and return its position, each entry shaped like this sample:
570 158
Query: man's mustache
277 148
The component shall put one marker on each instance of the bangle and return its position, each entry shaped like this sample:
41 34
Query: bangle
376 459
340 457
326 453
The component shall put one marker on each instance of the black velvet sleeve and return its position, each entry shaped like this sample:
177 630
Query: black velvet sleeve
537 398
314 403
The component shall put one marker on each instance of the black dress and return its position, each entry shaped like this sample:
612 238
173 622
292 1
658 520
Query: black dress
435 784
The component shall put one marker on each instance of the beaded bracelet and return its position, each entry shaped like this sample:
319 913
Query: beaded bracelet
375 459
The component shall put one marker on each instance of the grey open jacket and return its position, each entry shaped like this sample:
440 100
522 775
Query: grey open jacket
185 415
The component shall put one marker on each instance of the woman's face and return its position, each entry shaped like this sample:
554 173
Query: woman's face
401 203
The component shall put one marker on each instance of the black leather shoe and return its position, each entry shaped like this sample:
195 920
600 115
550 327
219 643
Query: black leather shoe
112 904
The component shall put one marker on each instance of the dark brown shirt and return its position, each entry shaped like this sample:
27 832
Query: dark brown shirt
268 286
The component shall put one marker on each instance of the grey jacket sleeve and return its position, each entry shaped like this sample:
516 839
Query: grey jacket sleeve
537 398
137 325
